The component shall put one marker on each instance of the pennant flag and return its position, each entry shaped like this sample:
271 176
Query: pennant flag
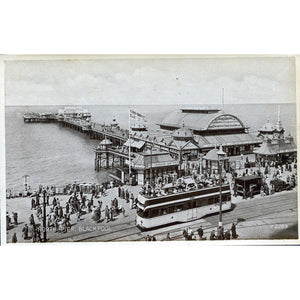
137 116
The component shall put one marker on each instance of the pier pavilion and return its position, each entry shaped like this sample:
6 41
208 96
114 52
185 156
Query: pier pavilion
214 161
109 156
152 164
275 147
212 128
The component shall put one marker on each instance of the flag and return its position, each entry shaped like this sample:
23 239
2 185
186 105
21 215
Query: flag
137 116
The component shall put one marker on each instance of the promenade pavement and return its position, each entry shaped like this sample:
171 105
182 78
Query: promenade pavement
86 224
280 225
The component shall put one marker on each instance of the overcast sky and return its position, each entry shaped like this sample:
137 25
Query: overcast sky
150 81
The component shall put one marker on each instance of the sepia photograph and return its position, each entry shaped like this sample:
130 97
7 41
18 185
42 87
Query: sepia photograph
187 148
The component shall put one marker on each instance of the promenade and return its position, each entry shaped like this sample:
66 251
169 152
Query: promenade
269 217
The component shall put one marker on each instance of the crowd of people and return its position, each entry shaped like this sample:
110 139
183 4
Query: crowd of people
221 234
59 212
58 216
275 177
124 193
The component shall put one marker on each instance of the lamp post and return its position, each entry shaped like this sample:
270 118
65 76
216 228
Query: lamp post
180 162
151 165
44 216
220 154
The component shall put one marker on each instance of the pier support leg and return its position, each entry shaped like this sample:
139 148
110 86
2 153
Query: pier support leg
107 160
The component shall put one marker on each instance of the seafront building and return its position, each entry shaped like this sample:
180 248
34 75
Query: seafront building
180 142
275 146
212 128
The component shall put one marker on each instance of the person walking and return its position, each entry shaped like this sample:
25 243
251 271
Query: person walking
25 232
38 234
14 238
190 233
67 208
227 235
112 213
31 220
54 202
32 203
56 211
61 213
107 213
34 234
212 235
200 232
15 218
233 231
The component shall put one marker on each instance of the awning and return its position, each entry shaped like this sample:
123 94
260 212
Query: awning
265 149
227 140
142 161
134 144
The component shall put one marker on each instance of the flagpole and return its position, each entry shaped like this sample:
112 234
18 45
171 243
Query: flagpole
129 163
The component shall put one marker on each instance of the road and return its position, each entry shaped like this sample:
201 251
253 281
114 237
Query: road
261 217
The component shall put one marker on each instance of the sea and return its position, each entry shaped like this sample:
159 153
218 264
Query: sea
55 156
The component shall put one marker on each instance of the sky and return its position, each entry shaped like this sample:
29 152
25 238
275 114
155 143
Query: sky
150 81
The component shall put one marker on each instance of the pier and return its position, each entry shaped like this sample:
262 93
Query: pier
82 124
187 141
39 118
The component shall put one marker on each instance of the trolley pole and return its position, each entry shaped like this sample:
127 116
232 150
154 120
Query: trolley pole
129 128
44 217
220 191
220 154
150 166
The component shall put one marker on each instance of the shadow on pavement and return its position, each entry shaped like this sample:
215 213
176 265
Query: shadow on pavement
290 233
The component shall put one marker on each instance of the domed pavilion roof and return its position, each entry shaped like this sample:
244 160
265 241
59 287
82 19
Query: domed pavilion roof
213 155
105 142
267 127
183 133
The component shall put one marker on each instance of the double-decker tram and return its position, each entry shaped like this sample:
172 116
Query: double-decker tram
183 201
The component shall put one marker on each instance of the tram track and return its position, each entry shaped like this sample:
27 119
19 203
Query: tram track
209 220
137 236
206 226
131 232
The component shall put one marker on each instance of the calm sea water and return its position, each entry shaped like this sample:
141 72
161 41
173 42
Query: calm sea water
53 155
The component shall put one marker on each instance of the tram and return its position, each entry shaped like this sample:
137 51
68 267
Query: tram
182 202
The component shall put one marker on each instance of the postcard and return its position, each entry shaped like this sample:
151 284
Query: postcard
150 148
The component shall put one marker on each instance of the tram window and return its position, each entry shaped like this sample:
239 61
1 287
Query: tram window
204 202
164 211
171 209
201 202
187 205
139 212
210 201
154 213
179 207
226 198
